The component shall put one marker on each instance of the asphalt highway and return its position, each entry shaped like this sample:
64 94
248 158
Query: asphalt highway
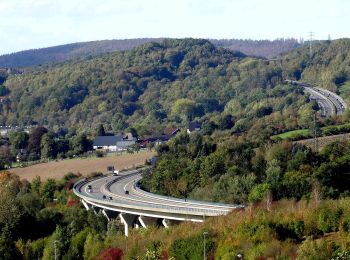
123 189
329 102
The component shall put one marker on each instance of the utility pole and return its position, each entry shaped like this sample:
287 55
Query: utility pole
54 244
315 134
205 234
311 35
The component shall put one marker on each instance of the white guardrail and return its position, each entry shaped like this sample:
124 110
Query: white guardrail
147 206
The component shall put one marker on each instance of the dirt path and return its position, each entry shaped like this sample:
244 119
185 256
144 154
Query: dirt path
57 170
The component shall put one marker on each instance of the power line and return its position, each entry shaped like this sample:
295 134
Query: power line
311 35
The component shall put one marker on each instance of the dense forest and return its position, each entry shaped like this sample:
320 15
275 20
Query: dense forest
68 52
61 53
259 48
152 86
296 198
287 190
328 66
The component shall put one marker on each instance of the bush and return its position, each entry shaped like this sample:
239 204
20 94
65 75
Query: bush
100 154
76 248
111 253
314 250
329 219
190 248
291 230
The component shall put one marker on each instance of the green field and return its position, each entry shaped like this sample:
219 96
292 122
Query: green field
292 134
306 133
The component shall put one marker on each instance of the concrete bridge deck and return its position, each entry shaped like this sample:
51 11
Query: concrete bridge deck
120 196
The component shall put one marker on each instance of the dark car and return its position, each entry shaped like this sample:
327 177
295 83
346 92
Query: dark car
104 196
127 192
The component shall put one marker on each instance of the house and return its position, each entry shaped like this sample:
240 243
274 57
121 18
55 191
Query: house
115 143
156 140
194 127
107 143
171 131
129 136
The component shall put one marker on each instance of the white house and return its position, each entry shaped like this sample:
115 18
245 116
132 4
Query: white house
116 143
194 127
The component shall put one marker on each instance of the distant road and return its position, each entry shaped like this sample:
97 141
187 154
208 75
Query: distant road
330 103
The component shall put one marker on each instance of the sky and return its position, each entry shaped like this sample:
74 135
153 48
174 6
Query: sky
28 24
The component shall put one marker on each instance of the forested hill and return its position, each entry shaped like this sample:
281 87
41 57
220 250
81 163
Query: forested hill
68 52
329 66
149 87
263 48
259 48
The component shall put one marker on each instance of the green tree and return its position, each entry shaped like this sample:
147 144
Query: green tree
48 189
19 140
6 157
100 130
274 175
8 250
60 240
11 211
184 108
80 144
48 146
259 192
212 165
34 140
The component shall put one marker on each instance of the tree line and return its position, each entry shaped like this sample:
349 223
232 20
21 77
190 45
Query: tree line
40 144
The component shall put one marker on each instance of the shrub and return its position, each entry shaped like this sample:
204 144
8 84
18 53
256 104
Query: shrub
329 219
190 248
111 254
314 250
100 154
291 230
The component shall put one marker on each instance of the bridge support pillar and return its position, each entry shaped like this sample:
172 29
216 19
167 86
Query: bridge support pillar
86 205
128 221
147 221
165 223
104 212
169 222
109 214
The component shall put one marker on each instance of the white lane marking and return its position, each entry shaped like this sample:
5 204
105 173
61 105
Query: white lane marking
145 195
174 204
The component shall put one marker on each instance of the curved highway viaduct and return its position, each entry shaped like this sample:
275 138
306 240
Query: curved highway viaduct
330 103
120 197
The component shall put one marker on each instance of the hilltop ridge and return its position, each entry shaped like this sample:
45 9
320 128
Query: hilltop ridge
263 48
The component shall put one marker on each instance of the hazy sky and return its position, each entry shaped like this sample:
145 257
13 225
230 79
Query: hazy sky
27 24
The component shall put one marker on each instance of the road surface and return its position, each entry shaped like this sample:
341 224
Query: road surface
330 103
121 193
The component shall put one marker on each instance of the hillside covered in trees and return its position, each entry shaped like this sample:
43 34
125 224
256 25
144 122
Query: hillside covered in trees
151 86
61 53
296 207
296 198
328 66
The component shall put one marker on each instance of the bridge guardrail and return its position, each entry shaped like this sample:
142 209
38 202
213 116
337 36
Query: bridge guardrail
204 203
144 206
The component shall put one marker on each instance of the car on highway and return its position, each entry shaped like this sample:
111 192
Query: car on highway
127 192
